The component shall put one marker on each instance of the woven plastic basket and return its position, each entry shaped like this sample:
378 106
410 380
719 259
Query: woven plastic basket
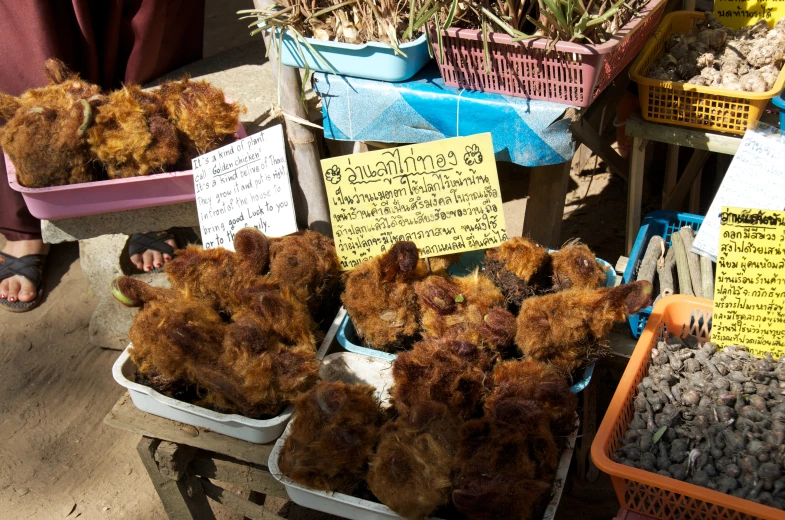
662 223
572 73
649 493
696 106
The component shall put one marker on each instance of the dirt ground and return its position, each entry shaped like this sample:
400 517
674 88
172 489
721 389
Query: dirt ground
58 460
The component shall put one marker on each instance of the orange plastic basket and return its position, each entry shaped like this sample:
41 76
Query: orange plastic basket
649 493
707 108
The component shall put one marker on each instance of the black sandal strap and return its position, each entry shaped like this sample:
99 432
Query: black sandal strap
28 266
154 240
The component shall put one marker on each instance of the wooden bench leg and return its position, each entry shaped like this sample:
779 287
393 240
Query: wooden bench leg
545 205
183 499
635 192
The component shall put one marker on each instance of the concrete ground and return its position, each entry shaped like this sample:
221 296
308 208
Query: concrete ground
58 460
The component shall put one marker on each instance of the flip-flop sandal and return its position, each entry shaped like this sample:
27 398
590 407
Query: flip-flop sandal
28 266
156 241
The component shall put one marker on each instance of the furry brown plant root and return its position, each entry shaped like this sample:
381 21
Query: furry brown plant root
504 470
171 335
202 115
332 436
531 380
447 371
131 135
576 267
468 308
45 134
380 299
257 373
520 268
568 325
411 471
307 262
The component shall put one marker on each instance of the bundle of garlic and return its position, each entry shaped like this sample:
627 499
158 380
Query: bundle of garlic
748 59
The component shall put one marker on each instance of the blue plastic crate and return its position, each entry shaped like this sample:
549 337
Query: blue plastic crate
662 223
348 339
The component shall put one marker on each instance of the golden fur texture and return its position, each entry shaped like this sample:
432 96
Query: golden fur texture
171 334
468 308
447 371
411 471
201 114
520 268
131 135
380 299
45 131
308 263
568 325
333 433
504 470
575 267
531 380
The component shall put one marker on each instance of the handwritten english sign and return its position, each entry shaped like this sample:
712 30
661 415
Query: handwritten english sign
444 196
749 294
244 184
741 13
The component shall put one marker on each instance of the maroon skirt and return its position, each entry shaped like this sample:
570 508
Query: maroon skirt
109 42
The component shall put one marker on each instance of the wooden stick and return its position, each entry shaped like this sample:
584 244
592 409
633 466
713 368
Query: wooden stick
665 273
707 277
649 263
687 236
682 266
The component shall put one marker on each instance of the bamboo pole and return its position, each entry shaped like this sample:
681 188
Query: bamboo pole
310 197
665 273
687 237
682 266
654 251
707 277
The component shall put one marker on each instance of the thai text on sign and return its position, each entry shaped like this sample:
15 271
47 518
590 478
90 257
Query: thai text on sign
244 184
444 196
741 13
749 294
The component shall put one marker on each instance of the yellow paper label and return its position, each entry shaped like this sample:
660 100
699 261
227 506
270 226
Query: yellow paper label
741 13
444 196
749 292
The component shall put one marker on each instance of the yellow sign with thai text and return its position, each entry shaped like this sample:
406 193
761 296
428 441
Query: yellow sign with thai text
444 196
741 13
749 293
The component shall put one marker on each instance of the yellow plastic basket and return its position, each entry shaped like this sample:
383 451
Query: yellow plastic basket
696 106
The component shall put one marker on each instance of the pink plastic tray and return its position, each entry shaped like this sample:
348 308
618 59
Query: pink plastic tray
572 73
94 198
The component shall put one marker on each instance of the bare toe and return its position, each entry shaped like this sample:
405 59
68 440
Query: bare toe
137 261
13 288
147 258
27 291
158 259
4 289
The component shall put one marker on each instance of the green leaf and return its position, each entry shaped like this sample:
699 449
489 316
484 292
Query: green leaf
502 25
459 298
658 435
486 53
317 54
331 8
451 14
557 13
439 41
411 19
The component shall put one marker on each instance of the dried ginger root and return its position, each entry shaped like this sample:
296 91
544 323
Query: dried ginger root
720 57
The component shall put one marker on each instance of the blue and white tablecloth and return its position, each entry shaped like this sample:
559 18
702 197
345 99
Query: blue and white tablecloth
422 109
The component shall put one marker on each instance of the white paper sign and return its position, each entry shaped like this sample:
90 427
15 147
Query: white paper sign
755 179
244 184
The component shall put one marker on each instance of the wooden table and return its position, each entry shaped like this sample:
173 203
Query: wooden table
676 188
183 460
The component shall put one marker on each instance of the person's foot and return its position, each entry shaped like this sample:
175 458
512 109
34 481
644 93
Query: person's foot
150 259
18 288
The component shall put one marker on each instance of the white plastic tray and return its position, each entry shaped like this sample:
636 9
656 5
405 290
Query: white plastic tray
234 425
354 508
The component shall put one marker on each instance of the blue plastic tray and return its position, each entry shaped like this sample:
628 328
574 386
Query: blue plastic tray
662 223
348 339
779 102
370 60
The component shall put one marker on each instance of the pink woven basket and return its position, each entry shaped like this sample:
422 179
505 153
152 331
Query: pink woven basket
572 73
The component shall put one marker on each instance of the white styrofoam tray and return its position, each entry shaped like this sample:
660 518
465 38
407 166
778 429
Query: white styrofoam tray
234 425
354 508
